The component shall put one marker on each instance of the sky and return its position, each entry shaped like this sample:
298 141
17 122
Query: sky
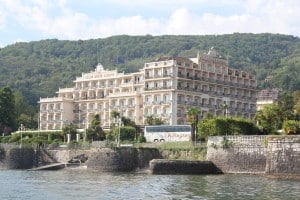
34 20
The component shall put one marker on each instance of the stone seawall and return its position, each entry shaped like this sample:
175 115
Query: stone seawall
283 155
238 154
103 159
161 166
232 154
255 154
17 158
121 159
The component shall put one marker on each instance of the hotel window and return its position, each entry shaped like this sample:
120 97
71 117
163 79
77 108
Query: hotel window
148 98
166 97
157 98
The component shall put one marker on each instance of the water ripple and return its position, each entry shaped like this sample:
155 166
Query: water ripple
90 185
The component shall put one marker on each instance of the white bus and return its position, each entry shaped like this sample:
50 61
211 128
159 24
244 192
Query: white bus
162 133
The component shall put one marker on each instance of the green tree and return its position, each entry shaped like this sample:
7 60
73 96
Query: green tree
69 129
127 133
193 119
95 131
296 96
222 125
151 120
268 118
115 114
7 111
291 127
128 122
286 107
26 113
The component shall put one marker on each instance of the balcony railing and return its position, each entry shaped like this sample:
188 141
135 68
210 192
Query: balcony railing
158 88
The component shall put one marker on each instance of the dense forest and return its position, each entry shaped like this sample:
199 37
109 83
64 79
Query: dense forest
37 69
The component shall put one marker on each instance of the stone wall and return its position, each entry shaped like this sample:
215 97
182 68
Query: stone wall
283 155
255 154
145 155
111 160
17 158
161 166
121 159
65 155
238 154
103 159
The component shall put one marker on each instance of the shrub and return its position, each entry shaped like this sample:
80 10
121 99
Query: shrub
109 137
55 136
141 139
5 139
127 133
291 127
14 138
226 126
73 144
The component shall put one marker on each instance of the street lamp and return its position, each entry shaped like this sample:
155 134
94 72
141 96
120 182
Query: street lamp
21 128
225 107
86 127
119 122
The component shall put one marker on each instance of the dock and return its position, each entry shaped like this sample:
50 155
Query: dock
55 166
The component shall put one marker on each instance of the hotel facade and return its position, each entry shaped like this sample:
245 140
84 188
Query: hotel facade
165 88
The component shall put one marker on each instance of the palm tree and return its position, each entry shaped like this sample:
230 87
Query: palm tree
193 119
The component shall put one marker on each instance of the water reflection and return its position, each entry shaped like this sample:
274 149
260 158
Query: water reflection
85 184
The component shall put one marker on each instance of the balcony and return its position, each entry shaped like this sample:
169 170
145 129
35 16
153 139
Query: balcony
167 75
158 88
52 99
65 90
123 94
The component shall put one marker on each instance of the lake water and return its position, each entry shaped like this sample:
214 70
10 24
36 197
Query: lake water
85 184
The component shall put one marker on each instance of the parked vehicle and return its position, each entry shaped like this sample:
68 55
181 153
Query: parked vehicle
162 133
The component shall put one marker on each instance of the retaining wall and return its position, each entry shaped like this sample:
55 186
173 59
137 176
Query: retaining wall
161 166
283 155
103 159
17 158
121 159
255 154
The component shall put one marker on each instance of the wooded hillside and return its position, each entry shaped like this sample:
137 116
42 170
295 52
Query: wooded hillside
39 68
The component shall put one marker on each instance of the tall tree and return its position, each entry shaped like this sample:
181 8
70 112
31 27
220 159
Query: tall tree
7 111
69 129
95 131
286 107
26 113
193 118
268 118
296 96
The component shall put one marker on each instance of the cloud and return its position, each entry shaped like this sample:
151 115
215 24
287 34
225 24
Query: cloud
2 19
60 19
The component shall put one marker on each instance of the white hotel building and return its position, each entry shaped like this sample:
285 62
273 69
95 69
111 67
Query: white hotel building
165 88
